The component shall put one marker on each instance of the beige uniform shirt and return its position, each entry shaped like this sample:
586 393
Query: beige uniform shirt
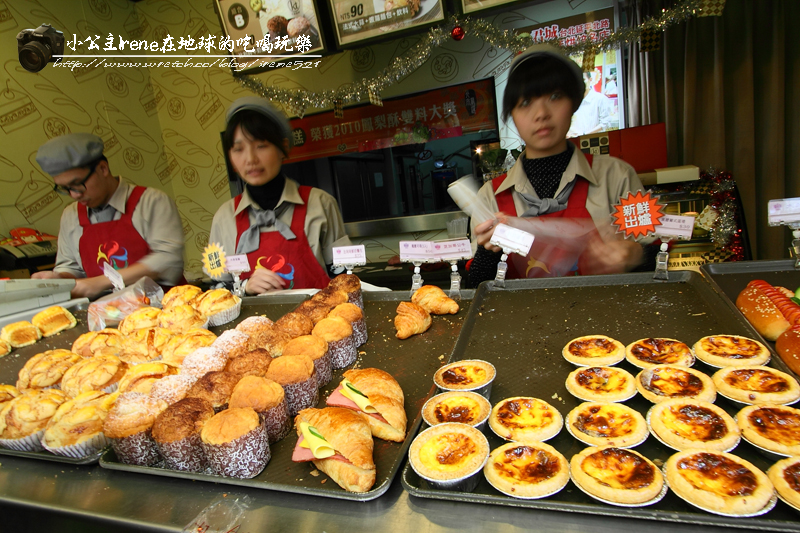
156 219
324 226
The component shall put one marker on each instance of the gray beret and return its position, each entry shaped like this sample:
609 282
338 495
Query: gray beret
262 106
70 151
543 49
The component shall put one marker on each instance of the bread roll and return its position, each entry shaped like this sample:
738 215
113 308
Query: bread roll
788 348
768 309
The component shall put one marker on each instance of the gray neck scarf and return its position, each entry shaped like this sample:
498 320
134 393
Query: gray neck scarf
542 206
102 214
251 238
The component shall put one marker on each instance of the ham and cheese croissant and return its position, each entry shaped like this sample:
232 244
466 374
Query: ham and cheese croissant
410 320
338 441
376 395
434 300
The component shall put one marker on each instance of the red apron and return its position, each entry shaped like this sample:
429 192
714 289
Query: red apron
547 260
293 259
116 242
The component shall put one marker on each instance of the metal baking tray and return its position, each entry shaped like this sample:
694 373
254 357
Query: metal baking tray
731 278
522 329
412 362
11 364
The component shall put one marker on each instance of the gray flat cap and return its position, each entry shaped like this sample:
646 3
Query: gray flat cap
70 151
543 49
262 105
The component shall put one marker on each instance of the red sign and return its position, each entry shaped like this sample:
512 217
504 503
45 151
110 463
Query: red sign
637 215
437 114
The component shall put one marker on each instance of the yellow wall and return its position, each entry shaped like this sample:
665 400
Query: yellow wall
161 125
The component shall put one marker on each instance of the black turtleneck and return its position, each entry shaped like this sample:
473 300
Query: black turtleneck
544 173
268 195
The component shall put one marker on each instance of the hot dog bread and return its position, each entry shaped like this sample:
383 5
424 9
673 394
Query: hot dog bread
768 309
788 348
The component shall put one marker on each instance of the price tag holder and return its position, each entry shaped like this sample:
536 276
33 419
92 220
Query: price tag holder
416 252
676 226
349 255
237 263
452 250
512 239
786 211
114 276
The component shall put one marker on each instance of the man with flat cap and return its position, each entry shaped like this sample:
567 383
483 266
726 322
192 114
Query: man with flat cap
136 230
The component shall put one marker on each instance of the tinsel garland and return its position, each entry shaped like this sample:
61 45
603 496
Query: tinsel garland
725 233
298 100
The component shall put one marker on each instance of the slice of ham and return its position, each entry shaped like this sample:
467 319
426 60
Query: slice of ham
302 454
337 399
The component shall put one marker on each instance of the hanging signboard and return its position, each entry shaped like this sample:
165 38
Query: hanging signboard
359 20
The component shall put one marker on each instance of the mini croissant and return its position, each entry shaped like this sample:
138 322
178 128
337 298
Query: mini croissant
410 320
434 300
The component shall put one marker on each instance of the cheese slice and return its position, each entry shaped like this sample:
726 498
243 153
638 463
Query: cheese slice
349 391
312 440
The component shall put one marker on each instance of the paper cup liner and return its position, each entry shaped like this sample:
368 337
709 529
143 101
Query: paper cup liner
324 370
242 458
111 389
343 352
139 449
31 443
276 421
81 450
185 454
227 315
360 331
301 395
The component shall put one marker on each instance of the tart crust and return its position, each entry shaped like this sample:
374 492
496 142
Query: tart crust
718 482
731 350
653 351
617 475
594 350
664 382
773 427
601 384
757 385
532 470
449 452
470 374
692 424
525 419
466 407
785 476
607 424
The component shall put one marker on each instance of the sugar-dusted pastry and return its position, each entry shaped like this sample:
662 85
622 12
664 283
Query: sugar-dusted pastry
295 373
23 419
601 384
338 333
607 424
253 363
731 350
233 343
172 388
76 428
53 320
757 385
295 324
129 426
203 360
411 320
144 317
255 327
46 369
355 317
219 305
527 471
179 346
773 427
235 443
267 398
316 348
145 345
449 456
617 475
718 482
525 419
215 387
663 382
649 352
140 378
176 433
100 373
20 334
181 318
179 295
378 396
685 424
350 284
5 348
594 350
434 300
339 443
785 476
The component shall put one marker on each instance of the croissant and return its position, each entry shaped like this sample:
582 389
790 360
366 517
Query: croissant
434 300
410 320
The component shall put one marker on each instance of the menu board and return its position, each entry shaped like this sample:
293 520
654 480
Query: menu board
274 27
469 6
359 20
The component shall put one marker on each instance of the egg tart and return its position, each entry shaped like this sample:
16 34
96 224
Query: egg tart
607 424
468 375
455 406
785 477
601 384
617 475
594 350
450 456
773 427
664 382
527 471
731 350
691 424
757 385
524 419
646 353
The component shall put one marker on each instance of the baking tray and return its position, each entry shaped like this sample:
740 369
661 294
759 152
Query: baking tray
11 364
412 362
731 278
522 329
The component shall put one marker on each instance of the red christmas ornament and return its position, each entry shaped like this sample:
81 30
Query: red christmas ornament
458 33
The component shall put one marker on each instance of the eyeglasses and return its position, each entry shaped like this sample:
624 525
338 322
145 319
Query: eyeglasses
78 188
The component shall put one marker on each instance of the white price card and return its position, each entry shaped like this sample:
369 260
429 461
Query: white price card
237 263
114 276
786 211
421 251
350 255
451 250
512 239
676 226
